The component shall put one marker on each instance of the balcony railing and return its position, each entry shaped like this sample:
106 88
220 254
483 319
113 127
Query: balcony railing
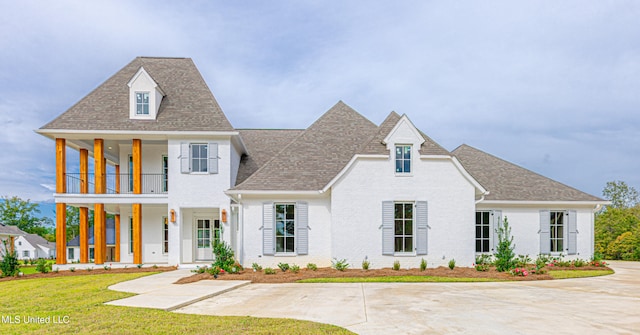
152 183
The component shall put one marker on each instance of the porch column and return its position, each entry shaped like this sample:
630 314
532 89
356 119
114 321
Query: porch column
84 211
12 244
117 248
117 179
137 208
98 209
61 208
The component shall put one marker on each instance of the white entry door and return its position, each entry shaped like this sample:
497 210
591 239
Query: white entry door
204 250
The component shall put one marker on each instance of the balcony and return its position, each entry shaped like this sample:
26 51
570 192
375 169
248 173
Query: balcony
152 183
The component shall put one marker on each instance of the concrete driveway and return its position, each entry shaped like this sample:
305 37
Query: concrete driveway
601 305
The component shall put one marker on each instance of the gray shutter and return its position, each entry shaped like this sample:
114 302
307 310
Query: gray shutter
496 222
545 232
213 158
387 228
422 228
302 211
572 245
268 247
184 158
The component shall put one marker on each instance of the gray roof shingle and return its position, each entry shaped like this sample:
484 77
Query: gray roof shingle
317 155
188 105
6 229
36 240
507 181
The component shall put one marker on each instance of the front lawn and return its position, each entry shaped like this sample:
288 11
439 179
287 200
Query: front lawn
399 279
75 305
567 274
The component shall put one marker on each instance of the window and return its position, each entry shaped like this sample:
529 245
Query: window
217 232
204 233
130 173
285 228
91 253
71 253
403 227
19 242
165 235
199 157
142 103
557 231
25 253
483 231
130 234
165 173
403 159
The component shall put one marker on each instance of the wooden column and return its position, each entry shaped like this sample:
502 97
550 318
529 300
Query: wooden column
117 248
12 244
137 208
61 208
84 211
117 179
99 225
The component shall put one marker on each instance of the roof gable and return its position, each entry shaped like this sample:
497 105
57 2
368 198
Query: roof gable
188 104
315 156
506 181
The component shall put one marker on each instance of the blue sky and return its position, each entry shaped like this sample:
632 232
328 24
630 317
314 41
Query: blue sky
553 87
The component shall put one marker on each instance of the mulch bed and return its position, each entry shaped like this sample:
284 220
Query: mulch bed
84 272
290 277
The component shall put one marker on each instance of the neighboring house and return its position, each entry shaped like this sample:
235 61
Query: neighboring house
73 246
8 234
177 176
33 246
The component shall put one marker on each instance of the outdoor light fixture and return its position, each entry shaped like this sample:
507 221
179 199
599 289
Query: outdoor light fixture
224 215
173 216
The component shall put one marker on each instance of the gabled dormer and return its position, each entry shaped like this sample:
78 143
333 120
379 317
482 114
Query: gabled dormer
404 142
145 96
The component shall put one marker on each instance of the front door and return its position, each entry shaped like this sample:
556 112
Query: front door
204 251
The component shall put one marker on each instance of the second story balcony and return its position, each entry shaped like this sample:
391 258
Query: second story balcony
152 183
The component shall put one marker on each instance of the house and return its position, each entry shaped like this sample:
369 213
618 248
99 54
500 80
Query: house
8 234
177 176
73 246
33 246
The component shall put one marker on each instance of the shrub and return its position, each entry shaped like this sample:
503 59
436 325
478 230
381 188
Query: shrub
90 269
295 268
452 264
42 266
522 261
598 263
106 267
482 262
214 271
504 254
542 261
256 267
365 264
339 265
423 265
200 269
269 271
139 266
223 255
579 263
312 267
396 265
283 266
155 266
519 272
72 269
236 268
9 265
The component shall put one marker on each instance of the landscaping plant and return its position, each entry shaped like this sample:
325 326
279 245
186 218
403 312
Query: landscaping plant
256 267
312 267
504 254
42 266
9 265
452 264
339 265
283 266
423 265
365 264
223 256
295 268
396 265
269 271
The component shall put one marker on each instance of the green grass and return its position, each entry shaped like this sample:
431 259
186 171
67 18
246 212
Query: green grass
398 279
566 274
27 270
81 298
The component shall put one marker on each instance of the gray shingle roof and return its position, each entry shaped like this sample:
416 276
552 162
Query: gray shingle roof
507 181
188 105
262 145
36 240
6 229
317 155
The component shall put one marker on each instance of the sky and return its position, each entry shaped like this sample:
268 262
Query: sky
551 86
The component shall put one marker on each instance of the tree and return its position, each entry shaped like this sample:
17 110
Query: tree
620 194
505 257
22 213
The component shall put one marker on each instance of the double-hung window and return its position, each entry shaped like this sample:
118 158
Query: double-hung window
483 231
130 234
71 253
285 228
403 159
165 235
142 103
199 157
556 226
403 227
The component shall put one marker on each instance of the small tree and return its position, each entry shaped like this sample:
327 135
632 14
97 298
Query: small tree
224 256
505 257
9 265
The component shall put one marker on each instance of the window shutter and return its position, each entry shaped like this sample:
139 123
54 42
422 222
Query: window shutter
268 247
387 228
422 228
572 243
302 231
213 158
545 233
496 223
184 158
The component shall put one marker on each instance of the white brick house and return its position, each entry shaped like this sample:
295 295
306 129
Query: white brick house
177 175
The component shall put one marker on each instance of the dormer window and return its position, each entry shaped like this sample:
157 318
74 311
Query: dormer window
403 159
142 103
